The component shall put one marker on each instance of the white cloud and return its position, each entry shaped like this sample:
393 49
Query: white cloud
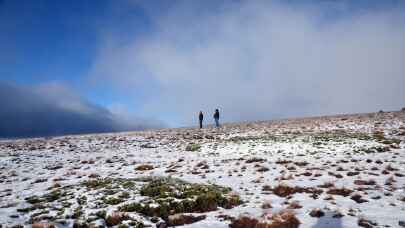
260 60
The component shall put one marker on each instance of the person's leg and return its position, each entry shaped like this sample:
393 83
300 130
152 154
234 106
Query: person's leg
200 123
216 122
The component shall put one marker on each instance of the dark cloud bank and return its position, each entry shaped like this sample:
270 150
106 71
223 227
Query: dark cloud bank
53 109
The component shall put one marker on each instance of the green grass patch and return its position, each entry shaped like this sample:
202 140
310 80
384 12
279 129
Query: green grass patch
193 147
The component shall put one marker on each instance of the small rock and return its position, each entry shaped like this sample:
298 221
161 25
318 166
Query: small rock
337 214
263 169
316 213
225 217
366 223
358 198
148 145
266 205
144 167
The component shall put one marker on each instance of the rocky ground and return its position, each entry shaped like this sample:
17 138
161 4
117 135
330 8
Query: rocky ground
339 171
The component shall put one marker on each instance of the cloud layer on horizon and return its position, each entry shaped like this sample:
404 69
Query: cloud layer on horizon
54 109
261 60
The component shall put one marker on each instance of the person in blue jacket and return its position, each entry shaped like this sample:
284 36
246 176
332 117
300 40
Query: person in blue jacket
216 117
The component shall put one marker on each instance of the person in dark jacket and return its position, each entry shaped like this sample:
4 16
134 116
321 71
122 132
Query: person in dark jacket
200 118
216 117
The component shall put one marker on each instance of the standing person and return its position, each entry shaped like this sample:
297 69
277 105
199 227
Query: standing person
200 118
216 117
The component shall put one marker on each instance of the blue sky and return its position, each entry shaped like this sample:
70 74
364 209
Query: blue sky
57 40
104 52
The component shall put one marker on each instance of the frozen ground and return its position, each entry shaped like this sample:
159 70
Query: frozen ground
338 171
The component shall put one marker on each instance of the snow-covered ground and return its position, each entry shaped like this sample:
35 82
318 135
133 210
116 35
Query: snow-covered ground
351 167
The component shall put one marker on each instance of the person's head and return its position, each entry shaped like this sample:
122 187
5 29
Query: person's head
216 110
200 112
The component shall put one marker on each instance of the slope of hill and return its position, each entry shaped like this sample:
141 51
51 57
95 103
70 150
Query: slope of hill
337 171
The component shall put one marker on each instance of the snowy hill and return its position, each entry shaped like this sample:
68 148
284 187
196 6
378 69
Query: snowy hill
337 171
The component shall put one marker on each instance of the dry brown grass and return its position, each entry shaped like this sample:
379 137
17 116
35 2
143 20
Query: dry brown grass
266 205
284 219
316 212
364 182
294 205
94 175
303 163
267 188
358 198
282 162
115 218
42 225
255 159
307 174
144 167
56 185
352 173
285 190
38 225
337 175
390 181
340 191
262 169
326 185
284 177
182 219
244 221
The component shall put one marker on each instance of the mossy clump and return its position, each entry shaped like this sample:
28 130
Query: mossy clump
171 187
101 214
112 200
124 195
131 207
81 200
123 226
77 212
34 199
260 138
53 195
136 224
98 183
170 196
39 213
209 201
193 147
128 184
49 197
379 136
25 209
80 224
